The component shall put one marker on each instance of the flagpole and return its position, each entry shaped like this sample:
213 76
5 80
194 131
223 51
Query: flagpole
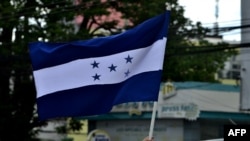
168 7
152 121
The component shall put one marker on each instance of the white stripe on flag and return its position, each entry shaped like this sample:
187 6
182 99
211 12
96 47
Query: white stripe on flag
81 73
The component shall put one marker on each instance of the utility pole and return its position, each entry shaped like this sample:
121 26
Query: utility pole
216 25
245 58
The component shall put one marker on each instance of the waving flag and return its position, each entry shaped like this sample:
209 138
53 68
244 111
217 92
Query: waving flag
83 78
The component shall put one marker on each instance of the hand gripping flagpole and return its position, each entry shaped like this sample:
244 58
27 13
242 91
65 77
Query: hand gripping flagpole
168 7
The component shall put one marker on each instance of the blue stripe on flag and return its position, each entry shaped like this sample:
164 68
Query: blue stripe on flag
50 54
99 99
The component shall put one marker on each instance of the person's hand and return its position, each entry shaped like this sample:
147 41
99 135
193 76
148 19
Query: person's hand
148 139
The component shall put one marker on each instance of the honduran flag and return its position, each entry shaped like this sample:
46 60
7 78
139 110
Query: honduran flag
83 78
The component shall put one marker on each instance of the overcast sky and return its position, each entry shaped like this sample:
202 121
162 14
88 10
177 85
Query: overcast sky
204 11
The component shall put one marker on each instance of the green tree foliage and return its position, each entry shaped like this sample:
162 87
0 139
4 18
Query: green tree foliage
17 93
24 21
